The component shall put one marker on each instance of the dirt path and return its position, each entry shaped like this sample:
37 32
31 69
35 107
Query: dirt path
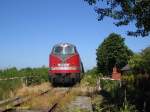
80 103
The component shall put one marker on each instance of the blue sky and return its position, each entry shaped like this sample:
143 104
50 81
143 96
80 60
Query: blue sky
29 29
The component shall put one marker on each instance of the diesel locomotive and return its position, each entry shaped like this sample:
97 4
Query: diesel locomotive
65 65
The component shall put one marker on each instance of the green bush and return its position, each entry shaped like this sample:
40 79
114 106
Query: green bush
34 80
91 76
110 86
31 76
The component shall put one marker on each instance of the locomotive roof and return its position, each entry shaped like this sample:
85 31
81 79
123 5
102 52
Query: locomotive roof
64 44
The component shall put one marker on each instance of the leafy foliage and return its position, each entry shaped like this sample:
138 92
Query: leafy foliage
24 72
137 91
126 11
91 77
140 63
93 71
112 87
115 97
111 52
146 59
136 63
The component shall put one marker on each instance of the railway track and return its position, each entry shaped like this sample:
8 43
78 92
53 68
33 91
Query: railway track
12 103
56 103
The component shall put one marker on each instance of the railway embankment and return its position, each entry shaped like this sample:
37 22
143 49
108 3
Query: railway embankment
66 98
80 98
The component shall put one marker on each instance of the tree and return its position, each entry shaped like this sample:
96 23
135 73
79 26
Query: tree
126 11
92 71
146 59
136 63
111 52
140 63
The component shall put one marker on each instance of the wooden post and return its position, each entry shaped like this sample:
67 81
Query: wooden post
98 87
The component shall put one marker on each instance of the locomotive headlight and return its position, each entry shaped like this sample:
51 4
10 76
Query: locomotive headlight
63 64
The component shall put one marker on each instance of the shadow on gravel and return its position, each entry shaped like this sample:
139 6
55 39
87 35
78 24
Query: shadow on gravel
63 84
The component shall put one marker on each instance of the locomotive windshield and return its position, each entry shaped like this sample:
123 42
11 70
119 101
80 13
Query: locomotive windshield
69 50
58 50
63 50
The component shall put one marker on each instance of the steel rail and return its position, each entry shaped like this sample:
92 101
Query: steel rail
54 106
17 101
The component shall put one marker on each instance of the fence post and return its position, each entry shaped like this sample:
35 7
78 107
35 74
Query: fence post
23 82
98 87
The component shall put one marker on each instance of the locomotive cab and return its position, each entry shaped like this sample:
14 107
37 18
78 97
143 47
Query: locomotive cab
65 65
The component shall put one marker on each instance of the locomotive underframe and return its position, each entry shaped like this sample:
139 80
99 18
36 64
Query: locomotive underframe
64 78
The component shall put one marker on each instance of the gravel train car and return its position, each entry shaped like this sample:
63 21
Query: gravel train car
65 65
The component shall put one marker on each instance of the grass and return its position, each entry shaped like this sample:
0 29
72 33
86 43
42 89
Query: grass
32 76
8 88
47 100
79 110
32 90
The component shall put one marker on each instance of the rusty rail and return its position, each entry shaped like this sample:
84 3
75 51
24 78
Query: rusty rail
54 106
17 101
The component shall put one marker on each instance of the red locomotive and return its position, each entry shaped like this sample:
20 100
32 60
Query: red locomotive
65 65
